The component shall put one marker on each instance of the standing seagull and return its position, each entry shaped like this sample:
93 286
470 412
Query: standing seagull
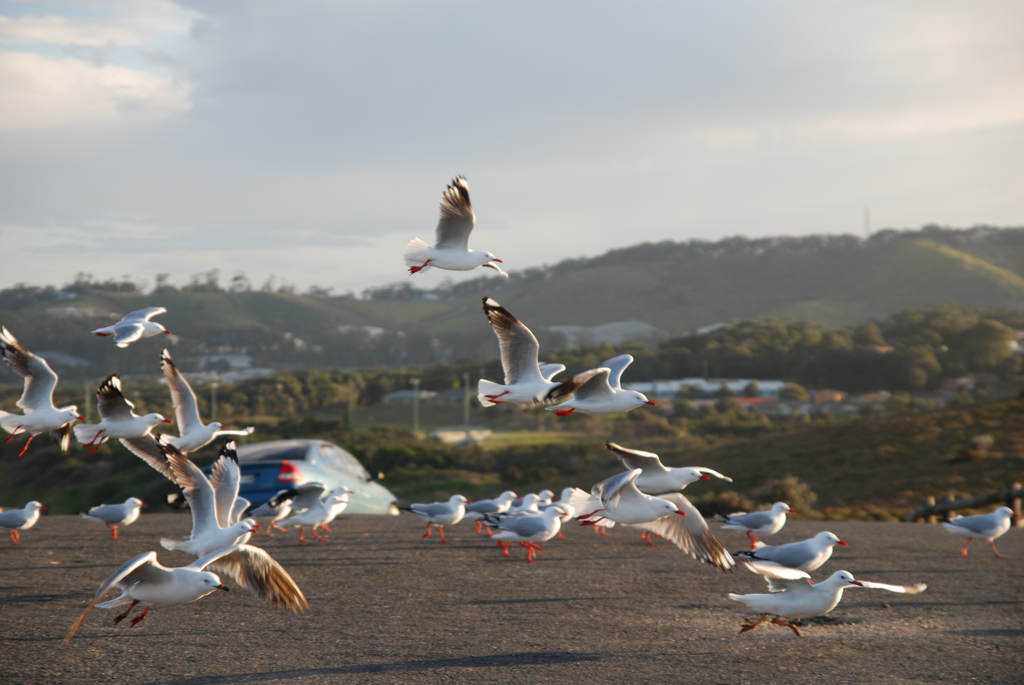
441 514
20 519
527 381
768 522
657 478
529 530
806 555
36 398
114 515
598 391
117 420
144 579
134 326
451 250
985 526
482 507
193 433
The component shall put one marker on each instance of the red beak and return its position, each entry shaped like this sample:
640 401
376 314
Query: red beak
705 476
168 421
498 260
81 418
843 543
680 512
651 402
44 507
223 587
143 504
169 333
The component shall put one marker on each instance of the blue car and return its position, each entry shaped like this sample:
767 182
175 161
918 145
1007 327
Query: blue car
269 467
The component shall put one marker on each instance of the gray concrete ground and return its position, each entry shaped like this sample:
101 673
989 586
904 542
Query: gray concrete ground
387 606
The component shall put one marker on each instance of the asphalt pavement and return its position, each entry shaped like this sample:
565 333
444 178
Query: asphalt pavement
388 606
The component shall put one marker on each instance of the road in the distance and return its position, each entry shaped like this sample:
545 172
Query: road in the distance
387 606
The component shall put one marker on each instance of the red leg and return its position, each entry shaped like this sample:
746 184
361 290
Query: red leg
138 619
963 552
302 534
565 412
779 622
440 531
494 397
427 534
317 535
121 617
326 527
113 531
646 537
753 540
561 536
24 447
479 525
992 544
750 626
603 530
15 536
504 547
416 269
13 433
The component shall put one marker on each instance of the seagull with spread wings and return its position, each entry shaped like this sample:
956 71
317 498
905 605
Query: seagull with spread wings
657 478
451 248
598 390
193 433
134 326
40 415
118 419
527 381
145 580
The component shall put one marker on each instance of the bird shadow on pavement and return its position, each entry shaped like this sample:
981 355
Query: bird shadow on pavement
490 661
537 599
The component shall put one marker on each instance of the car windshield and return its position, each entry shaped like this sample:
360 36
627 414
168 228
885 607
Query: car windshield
332 455
270 451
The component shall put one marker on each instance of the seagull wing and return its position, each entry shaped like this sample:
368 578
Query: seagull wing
111 401
143 567
40 380
589 383
185 410
690 533
144 314
550 370
303 497
148 449
457 216
197 490
128 332
256 571
617 365
225 478
619 485
905 589
711 472
637 459
518 345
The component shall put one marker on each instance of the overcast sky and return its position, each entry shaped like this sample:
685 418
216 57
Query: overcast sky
312 140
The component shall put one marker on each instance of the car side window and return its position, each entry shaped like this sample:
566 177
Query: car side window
336 457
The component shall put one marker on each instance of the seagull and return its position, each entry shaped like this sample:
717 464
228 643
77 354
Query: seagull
618 499
194 434
117 420
20 519
134 326
598 391
792 594
529 530
36 398
213 502
767 522
476 510
276 508
690 533
451 250
527 381
805 555
144 579
441 514
311 506
336 503
114 515
985 526
657 478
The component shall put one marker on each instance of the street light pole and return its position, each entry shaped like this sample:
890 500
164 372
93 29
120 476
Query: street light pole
415 405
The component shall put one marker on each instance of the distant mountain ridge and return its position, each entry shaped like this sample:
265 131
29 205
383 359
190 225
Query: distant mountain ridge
673 287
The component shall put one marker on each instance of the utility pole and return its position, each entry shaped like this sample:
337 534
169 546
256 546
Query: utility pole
465 400
415 405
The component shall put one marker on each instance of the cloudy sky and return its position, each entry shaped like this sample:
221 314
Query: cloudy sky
311 140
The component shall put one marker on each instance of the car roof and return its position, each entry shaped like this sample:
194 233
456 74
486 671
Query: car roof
275 450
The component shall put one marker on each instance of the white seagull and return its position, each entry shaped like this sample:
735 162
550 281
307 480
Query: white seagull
117 418
767 522
475 511
794 595
657 478
194 434
985 526
312 506
618 499
213 502
451 250
805 555
529 530
36 398
527 381
114 515
441 514
144 579
598 391
20 519
276 508
134 326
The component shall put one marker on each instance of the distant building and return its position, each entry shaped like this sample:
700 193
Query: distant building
406 396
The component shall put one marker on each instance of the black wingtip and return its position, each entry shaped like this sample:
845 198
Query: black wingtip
229 451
